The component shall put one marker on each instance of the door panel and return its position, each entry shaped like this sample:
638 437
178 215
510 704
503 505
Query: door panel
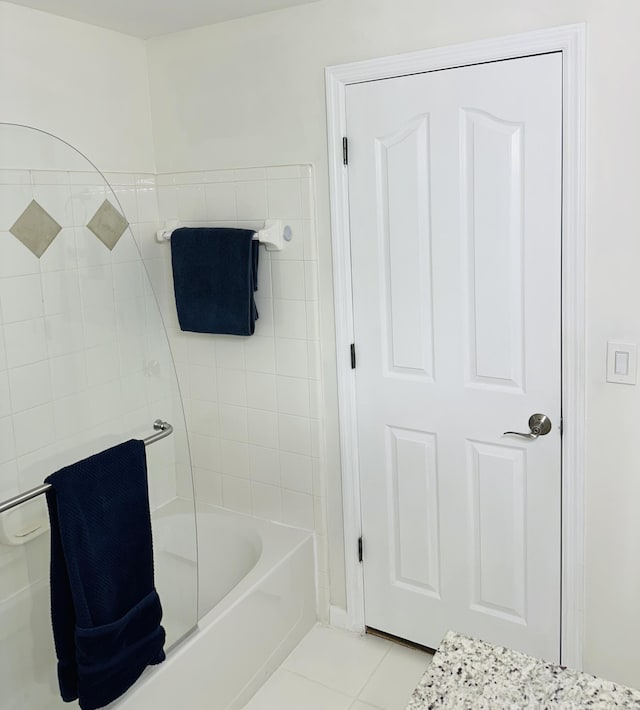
491 168
455 208
415 558
402 178
498 511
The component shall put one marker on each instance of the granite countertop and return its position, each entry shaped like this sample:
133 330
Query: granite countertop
467 673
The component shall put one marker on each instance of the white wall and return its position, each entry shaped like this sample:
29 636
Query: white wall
85 85
251 92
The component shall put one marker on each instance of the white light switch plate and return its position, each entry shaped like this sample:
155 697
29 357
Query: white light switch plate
622 362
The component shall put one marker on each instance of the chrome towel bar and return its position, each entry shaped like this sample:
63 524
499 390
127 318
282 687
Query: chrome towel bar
163 429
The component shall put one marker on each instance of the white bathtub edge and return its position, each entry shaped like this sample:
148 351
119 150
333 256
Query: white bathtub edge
249 635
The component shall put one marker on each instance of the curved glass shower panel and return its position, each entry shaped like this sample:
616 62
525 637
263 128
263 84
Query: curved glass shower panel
85 363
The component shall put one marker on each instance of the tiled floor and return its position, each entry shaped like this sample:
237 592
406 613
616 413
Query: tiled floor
335 670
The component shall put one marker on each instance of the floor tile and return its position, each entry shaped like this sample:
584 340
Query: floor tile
359 705
289 691
395 678
338 659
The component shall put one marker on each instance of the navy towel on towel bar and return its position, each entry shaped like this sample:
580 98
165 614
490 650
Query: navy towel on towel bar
105 610
215 275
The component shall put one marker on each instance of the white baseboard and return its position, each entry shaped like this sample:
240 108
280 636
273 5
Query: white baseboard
339 618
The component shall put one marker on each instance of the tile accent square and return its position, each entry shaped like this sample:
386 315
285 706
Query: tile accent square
35 228
108 224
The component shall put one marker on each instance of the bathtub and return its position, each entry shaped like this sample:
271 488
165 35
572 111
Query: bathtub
256 600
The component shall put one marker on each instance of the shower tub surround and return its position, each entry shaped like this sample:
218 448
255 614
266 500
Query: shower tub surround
84 364
468 673
254 404
82 347
83 354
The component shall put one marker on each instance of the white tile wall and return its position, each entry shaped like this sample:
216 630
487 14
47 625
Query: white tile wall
83 357
254 403
75 361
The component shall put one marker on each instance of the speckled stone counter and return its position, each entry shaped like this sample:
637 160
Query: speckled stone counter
466 673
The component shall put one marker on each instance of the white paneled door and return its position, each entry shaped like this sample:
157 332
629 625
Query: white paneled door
455 211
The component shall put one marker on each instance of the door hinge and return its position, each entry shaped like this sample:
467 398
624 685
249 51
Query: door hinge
360 549
353 356
345 151
561 426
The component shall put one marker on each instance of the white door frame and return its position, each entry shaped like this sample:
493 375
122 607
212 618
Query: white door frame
570 40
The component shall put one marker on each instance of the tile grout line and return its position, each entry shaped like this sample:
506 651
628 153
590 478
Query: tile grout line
373 672
314 680
356 697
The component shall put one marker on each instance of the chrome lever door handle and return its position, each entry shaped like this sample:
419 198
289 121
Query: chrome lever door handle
539 425
530 435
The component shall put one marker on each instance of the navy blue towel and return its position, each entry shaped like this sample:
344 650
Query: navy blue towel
105 610
215 274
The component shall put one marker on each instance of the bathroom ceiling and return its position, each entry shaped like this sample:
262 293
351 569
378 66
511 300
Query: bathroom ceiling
145 19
